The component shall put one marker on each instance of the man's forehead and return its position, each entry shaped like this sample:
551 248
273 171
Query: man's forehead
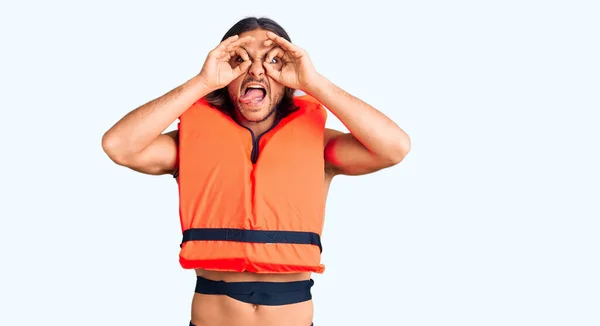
257 46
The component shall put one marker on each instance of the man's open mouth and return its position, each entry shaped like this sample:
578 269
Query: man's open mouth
253 94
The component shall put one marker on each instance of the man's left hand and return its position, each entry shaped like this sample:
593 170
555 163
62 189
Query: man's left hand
297 70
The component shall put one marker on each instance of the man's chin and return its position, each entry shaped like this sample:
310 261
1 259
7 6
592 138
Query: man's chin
255 115
254 112
246 108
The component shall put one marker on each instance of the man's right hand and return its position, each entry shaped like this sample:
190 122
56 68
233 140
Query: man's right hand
217 71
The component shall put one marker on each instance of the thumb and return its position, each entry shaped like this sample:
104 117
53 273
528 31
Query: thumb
240 69
272 72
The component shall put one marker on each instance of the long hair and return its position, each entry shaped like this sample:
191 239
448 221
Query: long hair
220 98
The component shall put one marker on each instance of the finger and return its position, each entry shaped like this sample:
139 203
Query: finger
240 41
268 42
276 52
272 72
227 42
242 53
231 43
220 55
233 47
220 51
225 56
284 43
239 52
241 68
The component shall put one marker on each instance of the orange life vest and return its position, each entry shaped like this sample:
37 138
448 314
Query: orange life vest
252 203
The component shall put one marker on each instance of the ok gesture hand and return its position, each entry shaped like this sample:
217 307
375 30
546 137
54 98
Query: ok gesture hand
217 71
297 71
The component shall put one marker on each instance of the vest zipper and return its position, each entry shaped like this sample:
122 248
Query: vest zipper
256 140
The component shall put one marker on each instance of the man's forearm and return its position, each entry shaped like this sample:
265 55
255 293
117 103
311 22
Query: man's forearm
136 130
379 134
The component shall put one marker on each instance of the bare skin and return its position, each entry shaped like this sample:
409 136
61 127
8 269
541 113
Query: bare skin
373 143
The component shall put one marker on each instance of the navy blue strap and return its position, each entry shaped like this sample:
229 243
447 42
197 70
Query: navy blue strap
257 236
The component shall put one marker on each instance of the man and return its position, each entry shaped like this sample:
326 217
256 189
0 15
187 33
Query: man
254 163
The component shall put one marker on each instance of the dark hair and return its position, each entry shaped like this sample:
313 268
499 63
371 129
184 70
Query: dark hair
220 99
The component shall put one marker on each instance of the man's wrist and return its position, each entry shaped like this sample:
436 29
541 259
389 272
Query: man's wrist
315 84
199 85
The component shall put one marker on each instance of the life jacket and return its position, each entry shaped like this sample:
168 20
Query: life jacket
253 203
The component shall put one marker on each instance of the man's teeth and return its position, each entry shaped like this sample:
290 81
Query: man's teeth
255 87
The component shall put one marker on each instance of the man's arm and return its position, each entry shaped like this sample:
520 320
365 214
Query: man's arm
136 141
375 142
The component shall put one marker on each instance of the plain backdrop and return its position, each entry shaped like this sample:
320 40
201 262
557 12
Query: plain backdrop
492 219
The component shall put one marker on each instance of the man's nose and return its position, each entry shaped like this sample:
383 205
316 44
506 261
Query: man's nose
257 69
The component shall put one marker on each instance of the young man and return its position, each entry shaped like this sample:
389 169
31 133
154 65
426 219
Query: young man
254 163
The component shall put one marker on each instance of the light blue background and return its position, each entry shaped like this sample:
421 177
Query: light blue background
492 219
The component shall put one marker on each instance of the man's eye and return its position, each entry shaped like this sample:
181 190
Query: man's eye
239 59
274 60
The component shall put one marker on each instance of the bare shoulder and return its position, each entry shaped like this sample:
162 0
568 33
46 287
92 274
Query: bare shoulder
329 135
330 169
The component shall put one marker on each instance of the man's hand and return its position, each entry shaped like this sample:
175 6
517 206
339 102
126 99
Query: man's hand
217 71
297 71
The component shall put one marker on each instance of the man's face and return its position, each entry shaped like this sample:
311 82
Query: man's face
255 105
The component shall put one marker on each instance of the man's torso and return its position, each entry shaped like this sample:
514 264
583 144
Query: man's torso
216 310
